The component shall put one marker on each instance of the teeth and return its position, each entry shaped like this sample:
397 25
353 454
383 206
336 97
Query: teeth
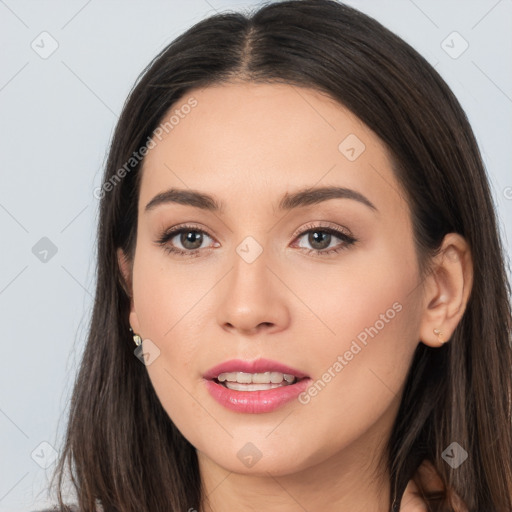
256 378
252 387
244 378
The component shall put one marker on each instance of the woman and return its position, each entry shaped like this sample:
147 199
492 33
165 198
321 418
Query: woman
296 231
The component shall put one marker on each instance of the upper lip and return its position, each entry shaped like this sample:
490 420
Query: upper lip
255 366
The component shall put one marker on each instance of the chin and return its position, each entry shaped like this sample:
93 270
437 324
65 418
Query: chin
261 458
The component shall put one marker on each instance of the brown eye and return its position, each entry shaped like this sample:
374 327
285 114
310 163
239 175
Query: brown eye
191 239
322 240
184 241
319 239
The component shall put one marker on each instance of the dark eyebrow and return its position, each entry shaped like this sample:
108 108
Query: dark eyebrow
300 198
309 196
186 197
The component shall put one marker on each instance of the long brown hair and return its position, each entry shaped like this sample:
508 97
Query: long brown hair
121 449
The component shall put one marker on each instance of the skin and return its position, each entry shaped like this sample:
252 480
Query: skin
247 145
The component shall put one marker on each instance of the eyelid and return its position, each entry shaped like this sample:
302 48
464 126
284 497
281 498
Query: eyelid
174 230
322 225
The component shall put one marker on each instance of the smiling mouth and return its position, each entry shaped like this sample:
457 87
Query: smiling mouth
241 381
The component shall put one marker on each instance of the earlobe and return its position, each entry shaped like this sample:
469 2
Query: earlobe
440 336
447 290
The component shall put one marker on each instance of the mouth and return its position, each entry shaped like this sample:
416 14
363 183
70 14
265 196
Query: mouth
256 375
257 386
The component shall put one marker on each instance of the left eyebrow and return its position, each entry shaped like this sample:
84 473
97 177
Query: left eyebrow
301 198
309 196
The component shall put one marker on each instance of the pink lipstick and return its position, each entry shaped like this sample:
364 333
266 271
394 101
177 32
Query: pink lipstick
257 386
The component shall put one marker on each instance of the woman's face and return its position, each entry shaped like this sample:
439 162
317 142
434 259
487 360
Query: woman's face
266 276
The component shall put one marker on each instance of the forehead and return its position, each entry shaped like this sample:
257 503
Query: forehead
251 139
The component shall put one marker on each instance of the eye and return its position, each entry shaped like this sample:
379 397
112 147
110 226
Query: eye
322 240
190 238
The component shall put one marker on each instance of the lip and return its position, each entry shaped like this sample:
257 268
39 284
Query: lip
254 402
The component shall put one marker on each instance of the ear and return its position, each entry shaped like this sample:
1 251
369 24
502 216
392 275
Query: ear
125 266
446 290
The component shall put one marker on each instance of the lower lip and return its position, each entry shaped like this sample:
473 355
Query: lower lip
255 402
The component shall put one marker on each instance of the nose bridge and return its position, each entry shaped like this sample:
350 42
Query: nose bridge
250 273
251 295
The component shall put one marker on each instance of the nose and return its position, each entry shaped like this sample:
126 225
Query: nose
252 298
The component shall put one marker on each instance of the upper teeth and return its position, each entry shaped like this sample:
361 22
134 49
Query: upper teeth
256 378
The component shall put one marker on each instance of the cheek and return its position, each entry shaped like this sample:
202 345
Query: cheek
372 309
367 327
165 296
361 293
167 302
359 375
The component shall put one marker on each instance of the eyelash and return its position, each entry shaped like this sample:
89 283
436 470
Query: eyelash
169 235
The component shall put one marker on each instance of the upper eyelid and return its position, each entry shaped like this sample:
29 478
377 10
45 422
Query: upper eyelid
327 226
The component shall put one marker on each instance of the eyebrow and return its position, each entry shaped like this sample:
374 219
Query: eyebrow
301 198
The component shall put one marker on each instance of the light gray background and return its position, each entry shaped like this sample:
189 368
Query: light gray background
57 118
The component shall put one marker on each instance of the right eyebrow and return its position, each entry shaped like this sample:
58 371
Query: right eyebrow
185 197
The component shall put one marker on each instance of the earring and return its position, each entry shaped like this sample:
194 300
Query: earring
136 338
439 335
